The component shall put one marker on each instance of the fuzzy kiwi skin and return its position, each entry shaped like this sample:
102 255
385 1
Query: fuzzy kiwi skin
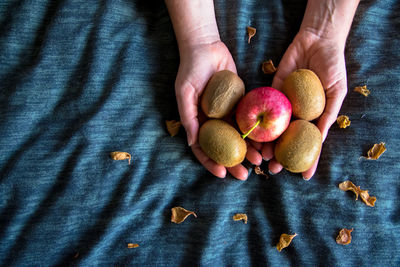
222 92
306 93
222 143
299 146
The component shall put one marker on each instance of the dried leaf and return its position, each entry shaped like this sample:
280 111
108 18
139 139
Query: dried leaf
132 245
344 237
376 151
118 155
284 241
251 32
362 90
76 255
343 121
348 185
180 214
370 201
258 171
268 67
240 216
173 127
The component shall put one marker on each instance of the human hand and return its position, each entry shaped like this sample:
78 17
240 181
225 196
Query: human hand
324 56
198 63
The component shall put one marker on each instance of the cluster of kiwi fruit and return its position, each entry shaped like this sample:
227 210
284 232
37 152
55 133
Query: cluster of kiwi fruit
218 139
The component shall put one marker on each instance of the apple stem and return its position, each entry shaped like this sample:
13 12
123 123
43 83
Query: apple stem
252 128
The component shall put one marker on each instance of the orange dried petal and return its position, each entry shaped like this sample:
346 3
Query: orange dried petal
119 155
268 67
240 216
258 171
180 214
173 127
348 185
344 236
251 32
343 121
370 201
132 245
284 241
362 90
376 151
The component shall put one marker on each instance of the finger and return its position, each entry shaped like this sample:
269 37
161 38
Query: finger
308 174
209 164
267 151
187 100
256 145
286 66
274 166
239 172
253 155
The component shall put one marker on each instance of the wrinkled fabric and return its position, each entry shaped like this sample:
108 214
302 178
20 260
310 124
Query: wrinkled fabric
80 79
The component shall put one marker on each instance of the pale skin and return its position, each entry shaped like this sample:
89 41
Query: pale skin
319 46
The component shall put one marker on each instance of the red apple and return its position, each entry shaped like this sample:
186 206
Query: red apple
265 109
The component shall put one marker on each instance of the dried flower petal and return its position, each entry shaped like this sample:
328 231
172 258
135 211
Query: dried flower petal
343 121
180 214
348 185
118 155
362 90
76 255
258 171
173 127
240 216
376 151
370 201
131 245
268 67
284 241
344 237
251 32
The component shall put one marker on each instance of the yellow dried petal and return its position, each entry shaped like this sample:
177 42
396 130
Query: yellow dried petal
131 245
180 214
376 151
258 171
343 121
362 90
118 155
344 236
268 67
251 32
173 127
240 216
370 201
348 185
284 241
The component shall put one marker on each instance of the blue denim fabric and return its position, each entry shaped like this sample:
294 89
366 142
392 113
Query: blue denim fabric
82 78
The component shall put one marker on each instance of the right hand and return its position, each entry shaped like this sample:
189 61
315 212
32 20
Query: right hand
197 64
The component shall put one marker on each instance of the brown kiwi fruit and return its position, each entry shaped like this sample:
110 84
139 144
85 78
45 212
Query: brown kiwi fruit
299 146
306 93
223 91
222 143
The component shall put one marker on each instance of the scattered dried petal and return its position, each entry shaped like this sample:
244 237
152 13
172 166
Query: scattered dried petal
370 201
348 185
251 32
240 216
76 255
343 121
180 214
173 127
258 171
362 90
376 151
268 67
118 155
132 245
344 237
284 241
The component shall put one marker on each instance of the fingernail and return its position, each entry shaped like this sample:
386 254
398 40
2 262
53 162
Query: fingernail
306 179
271 173
266 159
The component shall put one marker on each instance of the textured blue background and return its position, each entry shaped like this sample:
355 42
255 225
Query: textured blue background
82 78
